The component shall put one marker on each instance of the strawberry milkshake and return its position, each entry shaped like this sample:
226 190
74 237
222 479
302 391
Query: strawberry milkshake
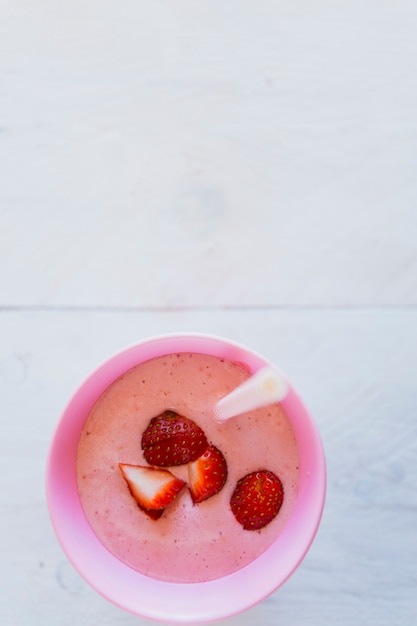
171 492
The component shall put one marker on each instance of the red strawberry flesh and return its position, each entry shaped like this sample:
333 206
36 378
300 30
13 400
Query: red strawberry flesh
257 499
152 488
207 475
171 439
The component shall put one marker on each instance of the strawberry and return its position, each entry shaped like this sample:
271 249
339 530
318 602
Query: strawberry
153 489
171 439
257 499
207 475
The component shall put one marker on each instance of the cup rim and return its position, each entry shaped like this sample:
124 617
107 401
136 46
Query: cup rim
166 601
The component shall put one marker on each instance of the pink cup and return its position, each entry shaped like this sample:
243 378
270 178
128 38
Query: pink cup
183 602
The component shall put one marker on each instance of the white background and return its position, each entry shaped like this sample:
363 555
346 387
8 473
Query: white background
234 167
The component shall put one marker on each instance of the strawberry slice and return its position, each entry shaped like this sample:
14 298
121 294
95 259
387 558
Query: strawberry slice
207 475
171 439
153 489
257 499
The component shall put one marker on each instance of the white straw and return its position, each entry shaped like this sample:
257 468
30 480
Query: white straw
264 387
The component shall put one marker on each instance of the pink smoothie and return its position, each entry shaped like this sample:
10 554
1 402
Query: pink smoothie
189 543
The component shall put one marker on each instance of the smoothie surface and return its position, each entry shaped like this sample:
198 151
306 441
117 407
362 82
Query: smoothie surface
189 543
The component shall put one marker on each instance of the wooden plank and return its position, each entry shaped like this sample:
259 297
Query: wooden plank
356 371
232 155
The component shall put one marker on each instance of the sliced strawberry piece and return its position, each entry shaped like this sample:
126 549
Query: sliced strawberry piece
171 439
257 499
153 489
207 475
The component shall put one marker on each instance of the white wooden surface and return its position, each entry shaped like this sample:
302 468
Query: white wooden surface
246 169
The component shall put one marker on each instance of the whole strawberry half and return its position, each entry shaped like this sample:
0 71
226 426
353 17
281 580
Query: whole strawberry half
207 475
171 439
153 489
257 499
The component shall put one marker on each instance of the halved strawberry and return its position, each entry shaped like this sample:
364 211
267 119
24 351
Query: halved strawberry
257 499
153 489
171 439
207 475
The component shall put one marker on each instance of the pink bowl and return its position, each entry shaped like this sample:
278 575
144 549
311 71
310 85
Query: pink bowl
171 602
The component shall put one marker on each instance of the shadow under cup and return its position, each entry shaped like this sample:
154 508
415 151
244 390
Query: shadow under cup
180 602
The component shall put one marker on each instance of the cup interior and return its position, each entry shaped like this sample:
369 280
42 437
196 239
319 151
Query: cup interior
183 602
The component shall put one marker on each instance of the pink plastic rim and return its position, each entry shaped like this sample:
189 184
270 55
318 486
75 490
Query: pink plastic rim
171 602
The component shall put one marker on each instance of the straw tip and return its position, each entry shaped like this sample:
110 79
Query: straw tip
274 386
